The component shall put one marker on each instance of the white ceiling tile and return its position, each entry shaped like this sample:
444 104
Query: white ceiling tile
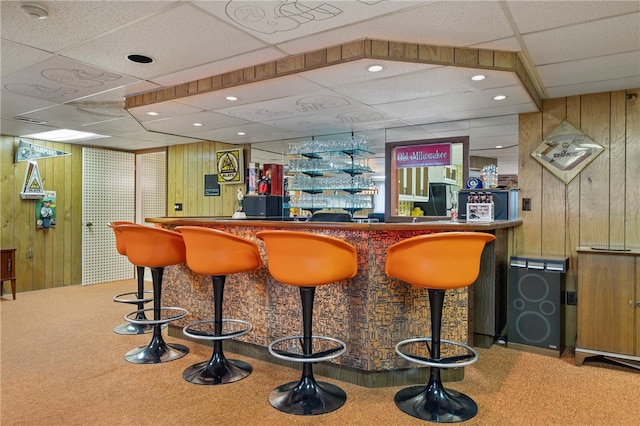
600 38
196 38
58 79
591 70
71 22
533 16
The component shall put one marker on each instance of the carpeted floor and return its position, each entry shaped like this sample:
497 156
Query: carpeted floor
61 364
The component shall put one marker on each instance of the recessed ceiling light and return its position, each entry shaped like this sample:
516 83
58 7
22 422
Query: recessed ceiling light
241 133
140 59
64 135
197 124
375 68
152 113
499 98
231 98
35 11
478 77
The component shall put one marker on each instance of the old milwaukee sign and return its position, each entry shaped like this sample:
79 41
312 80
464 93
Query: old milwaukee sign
435 154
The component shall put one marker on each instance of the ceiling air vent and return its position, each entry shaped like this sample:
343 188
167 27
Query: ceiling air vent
29 120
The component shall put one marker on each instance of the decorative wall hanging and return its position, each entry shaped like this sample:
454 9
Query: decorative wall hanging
230 166
46 211
28 151
566 152
32 186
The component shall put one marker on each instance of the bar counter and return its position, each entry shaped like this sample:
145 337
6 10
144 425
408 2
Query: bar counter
370 312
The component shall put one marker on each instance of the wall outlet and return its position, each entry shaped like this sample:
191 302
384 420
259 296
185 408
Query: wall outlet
526 204
572 298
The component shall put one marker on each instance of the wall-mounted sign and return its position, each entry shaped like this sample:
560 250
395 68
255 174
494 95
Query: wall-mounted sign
230 166
29 151
435 154
566 152
211 186
32 185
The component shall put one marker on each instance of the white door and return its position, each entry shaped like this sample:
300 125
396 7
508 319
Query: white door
108 194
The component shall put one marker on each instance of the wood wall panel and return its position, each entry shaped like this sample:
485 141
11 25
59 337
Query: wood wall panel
44 258
187 165
594 179
529 179
632 210
617 162
601 205
553 196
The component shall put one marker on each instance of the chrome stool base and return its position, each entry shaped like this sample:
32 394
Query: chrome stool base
436 404
307 397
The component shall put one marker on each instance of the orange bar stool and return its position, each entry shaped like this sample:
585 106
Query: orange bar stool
437 262
134 297
217 253
307 260
156 249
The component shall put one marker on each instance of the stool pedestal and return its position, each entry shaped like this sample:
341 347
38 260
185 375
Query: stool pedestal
307 396
157 350
135 298
433 402
218 370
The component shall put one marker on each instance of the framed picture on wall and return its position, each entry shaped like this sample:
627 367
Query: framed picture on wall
230 164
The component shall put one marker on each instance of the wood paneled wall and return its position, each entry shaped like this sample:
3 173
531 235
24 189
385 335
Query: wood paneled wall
187 165
51 257
601 206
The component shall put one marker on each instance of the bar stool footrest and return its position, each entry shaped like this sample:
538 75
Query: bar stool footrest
448 362
126 297
320 356
192 331
172 314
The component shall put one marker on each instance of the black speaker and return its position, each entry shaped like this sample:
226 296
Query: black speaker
534 316
263 205
505 203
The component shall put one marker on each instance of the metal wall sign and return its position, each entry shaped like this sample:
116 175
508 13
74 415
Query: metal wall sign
566 152
230 164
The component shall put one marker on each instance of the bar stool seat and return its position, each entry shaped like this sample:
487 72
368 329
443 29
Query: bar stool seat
218 254
308 260
437 262
139 297
156 249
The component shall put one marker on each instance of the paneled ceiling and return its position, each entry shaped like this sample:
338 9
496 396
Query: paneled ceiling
71 70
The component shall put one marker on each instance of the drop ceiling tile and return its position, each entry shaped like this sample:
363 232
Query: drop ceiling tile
183 124
58 79
274 88
627 65
424 84
15 57
356 72
163 110
189 45
275 22
599 38
533 16
71 22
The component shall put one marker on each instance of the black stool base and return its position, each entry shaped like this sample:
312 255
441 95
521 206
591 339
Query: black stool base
156 354
307 397
436 404
219 373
